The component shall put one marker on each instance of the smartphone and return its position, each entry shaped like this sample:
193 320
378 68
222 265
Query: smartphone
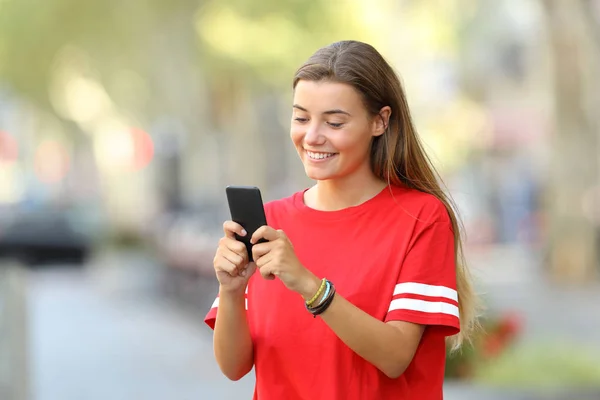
246 208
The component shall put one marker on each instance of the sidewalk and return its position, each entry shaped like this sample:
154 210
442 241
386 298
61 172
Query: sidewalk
13 328
98 339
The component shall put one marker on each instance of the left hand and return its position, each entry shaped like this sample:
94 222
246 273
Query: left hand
276 257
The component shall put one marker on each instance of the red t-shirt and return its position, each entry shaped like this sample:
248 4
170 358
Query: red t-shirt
393 257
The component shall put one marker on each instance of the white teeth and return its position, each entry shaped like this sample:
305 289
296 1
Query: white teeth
319 156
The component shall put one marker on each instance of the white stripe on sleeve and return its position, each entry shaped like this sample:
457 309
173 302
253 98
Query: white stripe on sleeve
432 307
425 290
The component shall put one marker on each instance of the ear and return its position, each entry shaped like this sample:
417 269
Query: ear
382 121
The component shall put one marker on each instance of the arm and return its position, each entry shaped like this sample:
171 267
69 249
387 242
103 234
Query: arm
388 346
428 274
232 340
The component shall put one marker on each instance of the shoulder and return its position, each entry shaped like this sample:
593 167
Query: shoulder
420 206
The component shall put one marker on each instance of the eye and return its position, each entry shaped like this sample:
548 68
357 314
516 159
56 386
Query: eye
335 125
300 120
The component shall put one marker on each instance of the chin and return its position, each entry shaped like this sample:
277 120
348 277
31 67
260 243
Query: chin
319 175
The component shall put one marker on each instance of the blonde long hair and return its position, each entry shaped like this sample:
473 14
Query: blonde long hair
397 156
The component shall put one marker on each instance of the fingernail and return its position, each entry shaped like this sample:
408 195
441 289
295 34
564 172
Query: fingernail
243 273
244 232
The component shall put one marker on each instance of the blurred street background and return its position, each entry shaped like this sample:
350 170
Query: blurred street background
121 123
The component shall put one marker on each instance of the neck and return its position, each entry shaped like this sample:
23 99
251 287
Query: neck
337 194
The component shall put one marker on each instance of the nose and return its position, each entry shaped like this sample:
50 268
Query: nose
313 136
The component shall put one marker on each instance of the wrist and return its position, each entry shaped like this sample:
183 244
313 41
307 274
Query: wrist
310 287
233 293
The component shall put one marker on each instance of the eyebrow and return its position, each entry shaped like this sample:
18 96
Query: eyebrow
328 112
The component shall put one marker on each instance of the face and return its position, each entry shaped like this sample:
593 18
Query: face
332 130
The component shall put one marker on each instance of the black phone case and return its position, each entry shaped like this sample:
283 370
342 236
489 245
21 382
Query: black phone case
246 208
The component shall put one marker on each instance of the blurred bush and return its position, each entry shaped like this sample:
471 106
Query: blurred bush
541 365
497 358
497 335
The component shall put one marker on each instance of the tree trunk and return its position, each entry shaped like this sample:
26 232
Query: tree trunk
573 245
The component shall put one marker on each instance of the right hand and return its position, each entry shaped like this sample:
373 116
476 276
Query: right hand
231 259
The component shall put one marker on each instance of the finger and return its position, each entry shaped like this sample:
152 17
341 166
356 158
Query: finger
265 232
234 258
234 245
260 249
249 270
265 267
237 253
224 265
230 228
267 273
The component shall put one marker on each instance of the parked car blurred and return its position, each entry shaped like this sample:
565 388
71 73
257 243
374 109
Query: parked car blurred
45 235
185 242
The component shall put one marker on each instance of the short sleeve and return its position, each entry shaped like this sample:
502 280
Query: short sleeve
211 316
425 291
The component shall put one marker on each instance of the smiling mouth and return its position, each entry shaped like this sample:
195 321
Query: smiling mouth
319 156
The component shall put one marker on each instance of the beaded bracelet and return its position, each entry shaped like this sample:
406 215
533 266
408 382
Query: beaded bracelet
327 289
325 303
318 294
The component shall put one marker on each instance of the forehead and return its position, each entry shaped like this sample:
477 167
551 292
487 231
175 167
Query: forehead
322 96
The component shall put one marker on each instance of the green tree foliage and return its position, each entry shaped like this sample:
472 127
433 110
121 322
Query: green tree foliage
113 33
270 39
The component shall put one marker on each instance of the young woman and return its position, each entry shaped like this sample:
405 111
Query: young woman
360 281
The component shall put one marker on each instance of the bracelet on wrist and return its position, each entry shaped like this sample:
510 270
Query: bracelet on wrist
325 301
310 302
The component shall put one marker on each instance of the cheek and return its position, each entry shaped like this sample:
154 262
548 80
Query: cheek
351 142
296 135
